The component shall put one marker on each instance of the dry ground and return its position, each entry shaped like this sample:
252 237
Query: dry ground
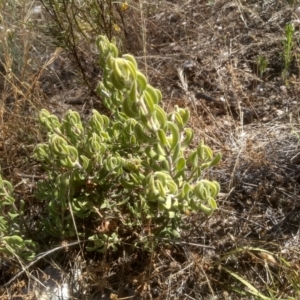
202 55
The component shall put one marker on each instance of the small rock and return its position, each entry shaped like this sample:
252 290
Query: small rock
188 65
158 17
265 119
283 89
173 18
279 112
176 48
36 10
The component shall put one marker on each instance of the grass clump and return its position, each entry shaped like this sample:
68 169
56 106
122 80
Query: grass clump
262 64
288 45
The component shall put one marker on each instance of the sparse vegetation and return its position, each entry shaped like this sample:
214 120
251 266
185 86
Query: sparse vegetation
262 65
14 233
288 45
55 187
74 26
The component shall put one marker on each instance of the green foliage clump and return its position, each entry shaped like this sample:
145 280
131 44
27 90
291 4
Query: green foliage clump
128 177
13 239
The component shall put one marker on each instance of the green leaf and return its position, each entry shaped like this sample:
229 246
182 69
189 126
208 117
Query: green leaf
176 153
193 160
41 152
159 95
212 203
149 103
96 121
180 165
58 145
65 162
153 93
131 58
164 177
136 178
179 121
141 81
168 203
175 234
13 215
250 288
216 160
184 191
161 189
175 134
172 186
51 122
189 135
185 115
171 214
204 152
130 108
162 137
155 152
13 240
133 92
161 117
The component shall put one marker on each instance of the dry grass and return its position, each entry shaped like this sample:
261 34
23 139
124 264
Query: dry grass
23 62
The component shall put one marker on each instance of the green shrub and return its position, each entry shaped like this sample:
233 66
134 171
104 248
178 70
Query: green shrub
13 235
128 177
